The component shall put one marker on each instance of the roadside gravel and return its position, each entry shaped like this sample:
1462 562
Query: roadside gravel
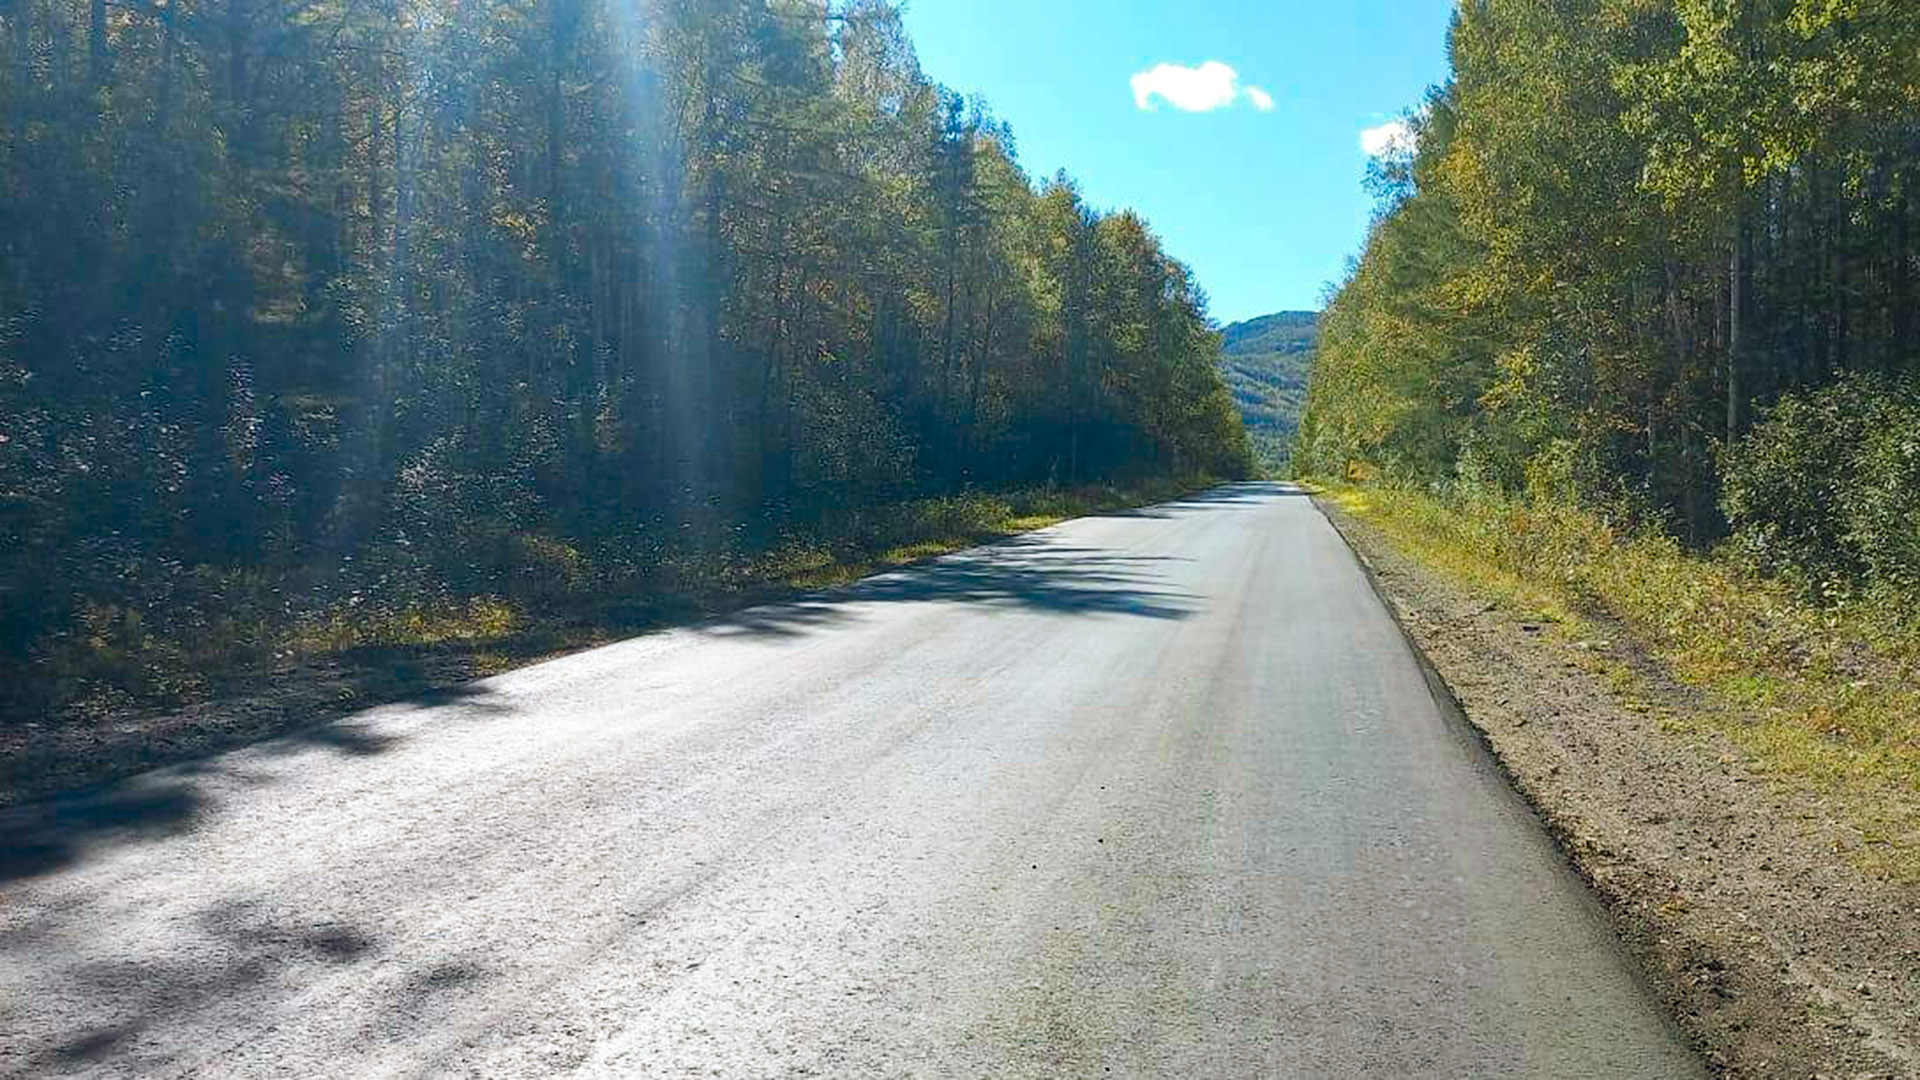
1779 956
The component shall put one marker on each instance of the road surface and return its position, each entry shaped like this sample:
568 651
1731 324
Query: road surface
1157 793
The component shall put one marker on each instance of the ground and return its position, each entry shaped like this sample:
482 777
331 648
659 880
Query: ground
1776 952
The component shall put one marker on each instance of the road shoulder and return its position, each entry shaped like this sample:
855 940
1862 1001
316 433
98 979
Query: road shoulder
1777 955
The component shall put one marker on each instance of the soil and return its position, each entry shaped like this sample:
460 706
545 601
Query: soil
1778 955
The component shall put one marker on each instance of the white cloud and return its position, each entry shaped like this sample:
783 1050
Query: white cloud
1212 85
1392 137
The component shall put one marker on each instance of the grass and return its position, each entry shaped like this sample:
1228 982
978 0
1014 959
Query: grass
346 628
1817 696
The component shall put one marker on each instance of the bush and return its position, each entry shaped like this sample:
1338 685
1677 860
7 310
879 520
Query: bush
1827 485
1884 500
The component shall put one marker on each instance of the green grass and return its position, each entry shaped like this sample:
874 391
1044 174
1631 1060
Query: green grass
1820 697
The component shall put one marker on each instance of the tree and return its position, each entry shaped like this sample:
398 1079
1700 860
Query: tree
305 303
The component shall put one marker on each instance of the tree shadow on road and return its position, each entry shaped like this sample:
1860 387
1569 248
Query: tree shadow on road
1250 493
123 1002
1026 573
1023 573
236 948
115 1000
51 834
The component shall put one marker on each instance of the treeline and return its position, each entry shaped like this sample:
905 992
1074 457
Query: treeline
305 302
1629 230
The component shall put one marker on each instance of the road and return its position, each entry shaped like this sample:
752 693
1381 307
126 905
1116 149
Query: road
1156 793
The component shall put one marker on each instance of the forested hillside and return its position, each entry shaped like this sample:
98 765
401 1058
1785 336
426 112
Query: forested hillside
321 308
1656 256
1266 361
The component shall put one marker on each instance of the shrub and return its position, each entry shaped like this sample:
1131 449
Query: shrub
1827 485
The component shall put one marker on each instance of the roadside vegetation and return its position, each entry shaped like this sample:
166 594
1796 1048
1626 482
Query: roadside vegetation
328 325
1632 345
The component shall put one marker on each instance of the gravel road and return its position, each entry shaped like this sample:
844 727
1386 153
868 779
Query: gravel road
1155 793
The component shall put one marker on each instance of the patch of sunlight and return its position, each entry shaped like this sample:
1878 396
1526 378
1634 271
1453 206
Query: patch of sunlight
350 625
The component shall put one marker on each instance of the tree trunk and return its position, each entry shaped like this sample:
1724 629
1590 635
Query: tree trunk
162 210
1688 499
560 33
1842 283
976 376
97 70
1808 263
946 333
22 34
239 30
1903 351
1739 284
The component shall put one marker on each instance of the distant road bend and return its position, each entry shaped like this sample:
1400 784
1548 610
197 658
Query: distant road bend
1156 793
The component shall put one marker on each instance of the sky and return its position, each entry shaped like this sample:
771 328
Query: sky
1235 127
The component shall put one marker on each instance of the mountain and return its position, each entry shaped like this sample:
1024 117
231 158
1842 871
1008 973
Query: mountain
1266 361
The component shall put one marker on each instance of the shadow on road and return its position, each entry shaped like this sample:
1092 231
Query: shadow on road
243 944
1249 493
241 947
225 950
41 837
1022 573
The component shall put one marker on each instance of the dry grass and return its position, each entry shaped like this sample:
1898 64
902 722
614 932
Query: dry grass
349 627
1818 696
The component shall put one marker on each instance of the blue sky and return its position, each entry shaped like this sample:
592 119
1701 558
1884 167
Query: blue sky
1264 204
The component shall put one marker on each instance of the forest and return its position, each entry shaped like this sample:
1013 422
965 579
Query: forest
1656 259
1266 361
316 307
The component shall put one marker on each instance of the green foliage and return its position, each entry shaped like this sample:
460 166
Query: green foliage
1629 227
1266 361
1401 366
415 306
1287 333
1827 486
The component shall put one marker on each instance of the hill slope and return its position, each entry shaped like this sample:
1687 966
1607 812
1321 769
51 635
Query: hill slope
1266 362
